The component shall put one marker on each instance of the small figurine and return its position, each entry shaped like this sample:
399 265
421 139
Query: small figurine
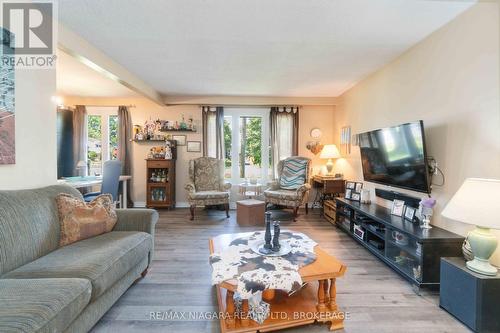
168 151
276 237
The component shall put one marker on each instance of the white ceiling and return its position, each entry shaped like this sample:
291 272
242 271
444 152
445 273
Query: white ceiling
76 79
259 47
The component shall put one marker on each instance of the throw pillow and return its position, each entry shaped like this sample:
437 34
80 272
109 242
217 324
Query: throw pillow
294 174
80 220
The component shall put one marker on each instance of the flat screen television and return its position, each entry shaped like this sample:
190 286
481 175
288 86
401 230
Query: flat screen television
396 156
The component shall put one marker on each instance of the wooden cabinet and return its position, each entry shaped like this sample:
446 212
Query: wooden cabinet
160 180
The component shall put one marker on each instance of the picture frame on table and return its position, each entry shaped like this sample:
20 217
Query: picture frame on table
410 213
356 196
348 192
398 207
359 187
194 146
350 185
181 139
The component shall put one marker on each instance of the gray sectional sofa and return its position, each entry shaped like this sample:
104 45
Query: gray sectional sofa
47 288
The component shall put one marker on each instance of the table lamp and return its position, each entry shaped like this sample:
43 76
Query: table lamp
329 152
476 202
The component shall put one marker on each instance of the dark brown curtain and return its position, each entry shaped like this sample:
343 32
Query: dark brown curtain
284 132
79 135
124 145
213 131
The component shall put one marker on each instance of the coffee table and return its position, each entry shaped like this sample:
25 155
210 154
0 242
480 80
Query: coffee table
315 302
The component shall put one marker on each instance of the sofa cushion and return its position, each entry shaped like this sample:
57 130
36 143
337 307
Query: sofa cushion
103 260
81 220
29 226
41 305
202 195
282 194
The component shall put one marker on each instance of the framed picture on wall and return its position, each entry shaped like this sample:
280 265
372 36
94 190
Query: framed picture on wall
355 196
359 187
350 185
194 146
181 139
348 192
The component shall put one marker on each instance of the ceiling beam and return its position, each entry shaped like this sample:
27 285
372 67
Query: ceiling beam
248 100
86 53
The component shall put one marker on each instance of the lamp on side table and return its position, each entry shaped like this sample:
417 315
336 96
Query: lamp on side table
476 202
329 152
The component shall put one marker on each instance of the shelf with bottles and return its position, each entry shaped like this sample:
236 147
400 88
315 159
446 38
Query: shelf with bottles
158 176
158 194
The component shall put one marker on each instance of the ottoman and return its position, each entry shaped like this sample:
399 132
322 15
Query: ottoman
250 212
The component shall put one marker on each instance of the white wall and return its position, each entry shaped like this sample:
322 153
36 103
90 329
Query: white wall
451 81
36 151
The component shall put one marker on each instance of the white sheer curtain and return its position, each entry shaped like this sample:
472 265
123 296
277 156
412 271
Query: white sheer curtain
284 124
211 136
213 131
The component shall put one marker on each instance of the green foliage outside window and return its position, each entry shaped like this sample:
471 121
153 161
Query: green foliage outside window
254 140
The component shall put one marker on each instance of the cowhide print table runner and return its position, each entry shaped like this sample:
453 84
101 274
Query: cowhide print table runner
256 273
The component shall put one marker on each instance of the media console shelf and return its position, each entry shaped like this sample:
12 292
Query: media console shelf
411 251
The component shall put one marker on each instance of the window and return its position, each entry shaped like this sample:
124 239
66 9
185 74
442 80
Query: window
102 137
246 143
113 137
94 144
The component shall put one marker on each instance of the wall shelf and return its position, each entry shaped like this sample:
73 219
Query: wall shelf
145 141
178 130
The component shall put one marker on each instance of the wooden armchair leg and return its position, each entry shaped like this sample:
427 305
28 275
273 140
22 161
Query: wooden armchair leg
227 209
191 208
307 208
295 213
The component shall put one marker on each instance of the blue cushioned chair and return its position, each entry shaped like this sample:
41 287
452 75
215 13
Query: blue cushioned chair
111 171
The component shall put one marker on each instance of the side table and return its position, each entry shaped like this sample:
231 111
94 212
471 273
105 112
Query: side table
472 298
327 187
250 190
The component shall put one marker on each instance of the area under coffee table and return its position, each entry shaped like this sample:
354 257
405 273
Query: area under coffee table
315 302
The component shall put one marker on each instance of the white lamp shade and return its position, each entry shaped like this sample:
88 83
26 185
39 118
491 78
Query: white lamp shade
476 202
329 151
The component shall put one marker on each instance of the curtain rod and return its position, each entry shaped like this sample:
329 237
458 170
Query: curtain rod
107 106
236 105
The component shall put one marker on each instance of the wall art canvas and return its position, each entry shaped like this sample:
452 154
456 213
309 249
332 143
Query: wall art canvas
7 101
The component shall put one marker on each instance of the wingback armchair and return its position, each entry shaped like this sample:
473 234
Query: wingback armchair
206 184
291 189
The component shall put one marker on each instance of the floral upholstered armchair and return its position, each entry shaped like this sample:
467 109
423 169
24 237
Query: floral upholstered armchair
291 189
206 184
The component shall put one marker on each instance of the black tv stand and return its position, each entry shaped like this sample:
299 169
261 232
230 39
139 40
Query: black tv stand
416 256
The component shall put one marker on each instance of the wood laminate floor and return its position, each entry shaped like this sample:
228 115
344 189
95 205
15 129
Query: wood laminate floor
375 297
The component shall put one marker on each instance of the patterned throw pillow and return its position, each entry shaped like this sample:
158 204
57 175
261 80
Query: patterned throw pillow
80 220
293 174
